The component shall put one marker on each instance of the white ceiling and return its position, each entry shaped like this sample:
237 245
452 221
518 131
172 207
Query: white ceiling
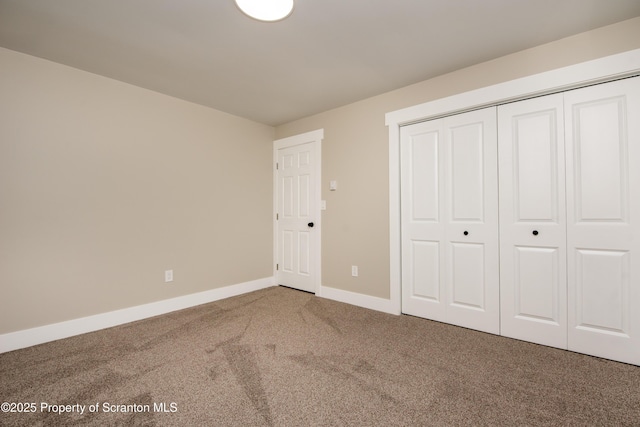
328 53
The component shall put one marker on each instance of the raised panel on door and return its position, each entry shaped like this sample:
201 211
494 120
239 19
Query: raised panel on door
422 228
296 207
287 256
536 285
471 193
466 168
532 221
424 270
603 219
467 276
602 309
304 253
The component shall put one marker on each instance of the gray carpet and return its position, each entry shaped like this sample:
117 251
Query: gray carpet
286 358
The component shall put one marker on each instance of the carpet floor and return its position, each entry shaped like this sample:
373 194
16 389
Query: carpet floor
280 357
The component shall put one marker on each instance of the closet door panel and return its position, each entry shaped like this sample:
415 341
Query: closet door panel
471 192
423 232
603 233
533 294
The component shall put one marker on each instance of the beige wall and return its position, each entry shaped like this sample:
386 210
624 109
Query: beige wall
355 151
105 185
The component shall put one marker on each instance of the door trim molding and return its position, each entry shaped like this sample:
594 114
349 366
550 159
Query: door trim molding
315 137
583 74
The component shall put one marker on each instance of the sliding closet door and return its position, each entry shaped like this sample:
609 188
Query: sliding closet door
449 220
533 287
603 206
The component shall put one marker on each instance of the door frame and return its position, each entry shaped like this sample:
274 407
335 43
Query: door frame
315 138
600 70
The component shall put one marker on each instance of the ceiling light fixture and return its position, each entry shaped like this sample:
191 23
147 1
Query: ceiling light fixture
266 10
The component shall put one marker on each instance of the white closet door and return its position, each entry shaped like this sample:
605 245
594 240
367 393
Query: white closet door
533 287
423 233
471 207
603 224
449 220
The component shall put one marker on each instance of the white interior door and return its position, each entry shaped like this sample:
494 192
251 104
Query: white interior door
603 223
450 220
533 288
297 215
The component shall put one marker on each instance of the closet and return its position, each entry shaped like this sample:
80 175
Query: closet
524 220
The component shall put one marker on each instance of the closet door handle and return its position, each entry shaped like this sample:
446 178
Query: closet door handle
535 232
466 233
310 225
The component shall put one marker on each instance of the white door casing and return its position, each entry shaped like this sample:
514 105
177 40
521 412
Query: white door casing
533 286
603 219
450 221
297 221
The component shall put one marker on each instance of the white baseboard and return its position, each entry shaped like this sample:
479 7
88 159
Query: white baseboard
360 300
29 337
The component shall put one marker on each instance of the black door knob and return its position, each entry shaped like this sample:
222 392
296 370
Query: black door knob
535 232
310 225
466 233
